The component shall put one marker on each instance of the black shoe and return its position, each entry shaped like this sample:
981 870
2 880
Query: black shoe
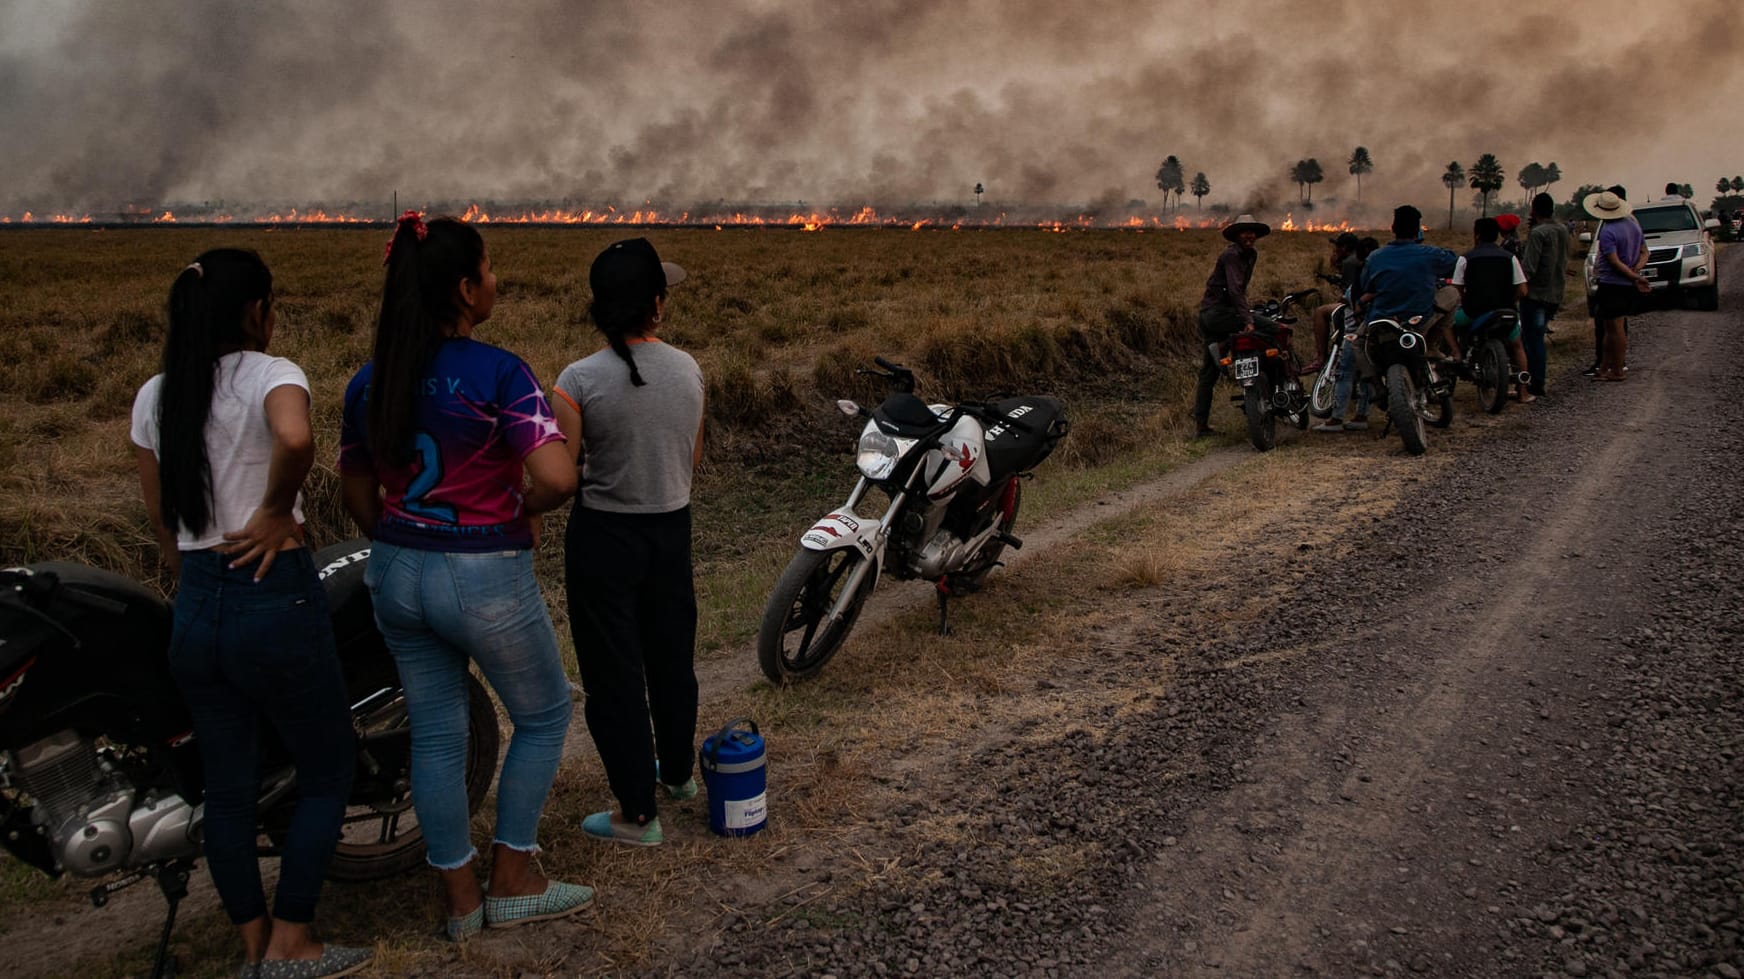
1592 371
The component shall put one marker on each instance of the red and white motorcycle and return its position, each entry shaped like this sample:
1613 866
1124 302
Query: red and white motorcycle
952 476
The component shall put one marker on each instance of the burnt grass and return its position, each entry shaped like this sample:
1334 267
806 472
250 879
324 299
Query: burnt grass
1593 826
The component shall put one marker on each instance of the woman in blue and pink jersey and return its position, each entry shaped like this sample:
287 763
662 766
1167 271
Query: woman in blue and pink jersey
448 450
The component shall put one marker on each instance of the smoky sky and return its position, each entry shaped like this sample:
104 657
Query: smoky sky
878 101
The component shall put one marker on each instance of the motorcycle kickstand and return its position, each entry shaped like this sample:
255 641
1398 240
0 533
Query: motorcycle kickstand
172 880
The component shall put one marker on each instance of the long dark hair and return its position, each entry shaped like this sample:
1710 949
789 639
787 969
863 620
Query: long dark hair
208 314
419 309
620 320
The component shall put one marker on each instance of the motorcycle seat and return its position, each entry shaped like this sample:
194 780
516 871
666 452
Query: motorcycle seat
1011 448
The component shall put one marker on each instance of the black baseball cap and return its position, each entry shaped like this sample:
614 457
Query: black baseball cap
630 271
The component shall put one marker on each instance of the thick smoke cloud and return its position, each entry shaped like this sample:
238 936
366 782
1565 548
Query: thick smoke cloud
881 101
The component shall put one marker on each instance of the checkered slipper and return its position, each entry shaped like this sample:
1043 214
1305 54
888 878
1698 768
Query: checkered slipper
465 926
559 900
335 960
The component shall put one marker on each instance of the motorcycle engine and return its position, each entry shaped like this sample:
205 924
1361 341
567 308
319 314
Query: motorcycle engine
88 811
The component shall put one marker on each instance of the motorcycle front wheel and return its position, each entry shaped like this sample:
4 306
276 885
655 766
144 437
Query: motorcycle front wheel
1262 425
1402 409
382 838
794 642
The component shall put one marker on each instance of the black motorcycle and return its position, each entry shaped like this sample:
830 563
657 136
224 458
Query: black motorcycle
1264 365
1393 360
1484 358
100 773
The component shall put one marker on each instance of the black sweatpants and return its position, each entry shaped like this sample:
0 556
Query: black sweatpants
632 613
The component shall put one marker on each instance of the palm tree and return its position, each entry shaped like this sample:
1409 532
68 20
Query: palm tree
1552 173
1170 180
1451 178
1311 175
1486 179
979 190
1201 187
1299 174
1360 163
1531 177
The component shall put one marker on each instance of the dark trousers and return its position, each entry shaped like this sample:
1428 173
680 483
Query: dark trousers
243 653
632 612
1217 324
1535 320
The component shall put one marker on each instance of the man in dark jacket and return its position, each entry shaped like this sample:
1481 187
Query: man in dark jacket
1224 310
1546 266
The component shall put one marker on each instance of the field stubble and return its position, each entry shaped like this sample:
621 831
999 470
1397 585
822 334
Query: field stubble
778 320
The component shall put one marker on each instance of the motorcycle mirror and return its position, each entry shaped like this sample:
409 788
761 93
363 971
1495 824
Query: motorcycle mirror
849 408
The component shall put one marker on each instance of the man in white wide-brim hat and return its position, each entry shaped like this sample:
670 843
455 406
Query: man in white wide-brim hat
1618 271
1224 310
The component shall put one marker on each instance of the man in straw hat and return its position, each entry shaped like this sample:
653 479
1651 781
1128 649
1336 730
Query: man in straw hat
1620 281
1224 310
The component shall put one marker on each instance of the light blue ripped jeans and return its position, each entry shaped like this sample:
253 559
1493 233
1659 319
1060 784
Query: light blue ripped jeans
438 611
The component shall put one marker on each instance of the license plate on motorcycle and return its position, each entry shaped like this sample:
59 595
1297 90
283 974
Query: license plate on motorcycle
1247 367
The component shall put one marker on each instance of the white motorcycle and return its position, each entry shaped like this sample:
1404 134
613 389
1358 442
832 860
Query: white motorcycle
952 474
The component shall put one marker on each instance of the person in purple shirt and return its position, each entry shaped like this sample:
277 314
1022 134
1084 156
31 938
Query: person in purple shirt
449 449
1620 281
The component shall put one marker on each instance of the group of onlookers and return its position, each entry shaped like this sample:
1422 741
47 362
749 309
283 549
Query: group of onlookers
450 451
1406 278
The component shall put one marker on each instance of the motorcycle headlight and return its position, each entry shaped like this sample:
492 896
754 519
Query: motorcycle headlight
879 453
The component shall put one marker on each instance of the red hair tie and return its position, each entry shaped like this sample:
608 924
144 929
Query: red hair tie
418 228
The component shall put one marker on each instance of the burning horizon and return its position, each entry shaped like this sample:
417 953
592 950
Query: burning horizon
810 220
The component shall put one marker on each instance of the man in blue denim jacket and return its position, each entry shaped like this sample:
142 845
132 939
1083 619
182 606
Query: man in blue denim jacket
1400 278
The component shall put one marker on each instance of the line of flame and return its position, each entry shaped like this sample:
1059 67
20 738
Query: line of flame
811 221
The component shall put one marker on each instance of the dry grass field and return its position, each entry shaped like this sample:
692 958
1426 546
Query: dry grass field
778 320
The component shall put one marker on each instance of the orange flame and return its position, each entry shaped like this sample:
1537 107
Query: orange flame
811 221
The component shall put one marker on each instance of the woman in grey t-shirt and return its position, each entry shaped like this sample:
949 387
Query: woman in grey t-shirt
632 414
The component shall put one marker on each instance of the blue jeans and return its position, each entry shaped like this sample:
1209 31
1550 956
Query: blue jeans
244 652
1346 378
1535 320
437 611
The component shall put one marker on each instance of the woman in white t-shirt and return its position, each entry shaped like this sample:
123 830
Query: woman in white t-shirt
223 443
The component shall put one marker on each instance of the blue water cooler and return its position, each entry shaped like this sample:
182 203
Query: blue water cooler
734 775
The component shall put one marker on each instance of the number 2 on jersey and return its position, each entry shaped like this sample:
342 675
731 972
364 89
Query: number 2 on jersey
428 478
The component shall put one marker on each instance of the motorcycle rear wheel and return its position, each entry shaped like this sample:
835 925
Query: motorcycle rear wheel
374 843
1262 425
1402 409
1492 377
1325 386
802 598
